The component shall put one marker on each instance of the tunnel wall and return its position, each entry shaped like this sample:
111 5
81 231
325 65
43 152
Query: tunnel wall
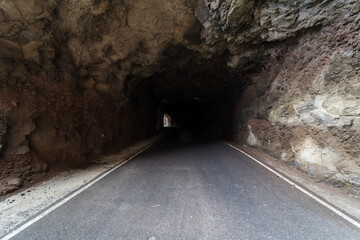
304 106
78 78
62 128
69 74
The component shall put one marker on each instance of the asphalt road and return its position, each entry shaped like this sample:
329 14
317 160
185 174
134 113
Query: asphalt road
191 191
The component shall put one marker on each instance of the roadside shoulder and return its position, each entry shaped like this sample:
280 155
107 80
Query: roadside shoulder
336 197
22 206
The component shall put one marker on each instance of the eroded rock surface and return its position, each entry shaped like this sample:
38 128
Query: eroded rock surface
80 78
307 98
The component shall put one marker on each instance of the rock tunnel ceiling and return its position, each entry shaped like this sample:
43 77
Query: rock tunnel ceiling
83 78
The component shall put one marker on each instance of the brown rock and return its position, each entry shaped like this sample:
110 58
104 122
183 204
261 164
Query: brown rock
102 88
10 184
31 52
10 49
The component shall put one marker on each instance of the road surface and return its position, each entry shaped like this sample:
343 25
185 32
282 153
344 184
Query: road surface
202 190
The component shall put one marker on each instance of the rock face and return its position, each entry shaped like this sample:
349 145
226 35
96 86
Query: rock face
9 185
81 78
305 108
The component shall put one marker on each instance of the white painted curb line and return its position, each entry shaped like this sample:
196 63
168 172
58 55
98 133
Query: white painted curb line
77 192
322 202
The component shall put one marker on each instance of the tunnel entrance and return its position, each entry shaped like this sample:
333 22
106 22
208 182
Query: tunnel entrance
204 117
79 79
197 94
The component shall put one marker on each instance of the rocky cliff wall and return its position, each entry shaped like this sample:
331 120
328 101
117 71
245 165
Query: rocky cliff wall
69 79
78 78
303 105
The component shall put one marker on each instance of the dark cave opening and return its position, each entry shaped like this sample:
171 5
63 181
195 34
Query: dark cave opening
198 94
200 105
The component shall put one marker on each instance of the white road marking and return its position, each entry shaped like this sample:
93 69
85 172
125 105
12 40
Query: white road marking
294 185
49 210
77 192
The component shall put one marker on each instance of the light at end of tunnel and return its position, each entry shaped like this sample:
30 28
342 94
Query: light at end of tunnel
166 120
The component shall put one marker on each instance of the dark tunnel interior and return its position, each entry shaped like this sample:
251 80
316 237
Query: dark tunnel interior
198 94
196 117
198 106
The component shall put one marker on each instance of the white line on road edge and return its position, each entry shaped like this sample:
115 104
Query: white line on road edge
49 210
341 214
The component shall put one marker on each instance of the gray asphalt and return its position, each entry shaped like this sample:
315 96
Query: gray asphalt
196 191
